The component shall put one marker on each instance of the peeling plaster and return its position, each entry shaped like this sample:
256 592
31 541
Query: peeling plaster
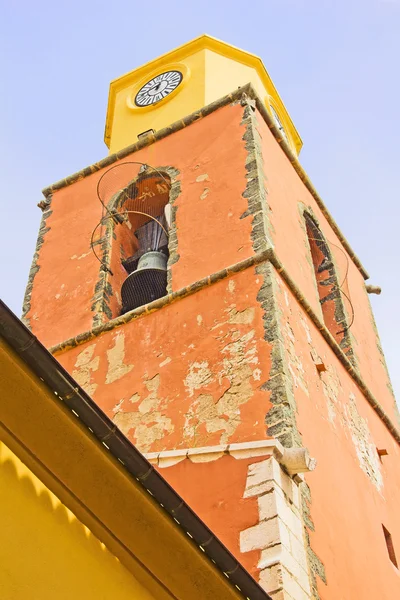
199 375
331 387
86 365
205 193
115 357
165 362
365 448
76 257
231 286
148 422
203 177
244 317
222 413
295 364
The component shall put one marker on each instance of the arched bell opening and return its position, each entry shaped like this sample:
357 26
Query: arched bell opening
330 289
145 206
130 241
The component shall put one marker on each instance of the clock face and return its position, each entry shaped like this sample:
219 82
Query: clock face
158 88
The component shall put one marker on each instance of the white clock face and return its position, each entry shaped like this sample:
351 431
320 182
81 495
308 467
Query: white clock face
158 88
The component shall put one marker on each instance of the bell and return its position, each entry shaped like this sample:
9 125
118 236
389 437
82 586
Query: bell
153 260
147 283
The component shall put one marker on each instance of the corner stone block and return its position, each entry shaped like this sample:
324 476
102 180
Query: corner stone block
277 578
298 550
263 535
279 555
275 504
263 471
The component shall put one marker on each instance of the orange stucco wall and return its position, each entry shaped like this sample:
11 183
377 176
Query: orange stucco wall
211 233
215 492
287 197
188 375
353 491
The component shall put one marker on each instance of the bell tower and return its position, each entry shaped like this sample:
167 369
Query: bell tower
196 285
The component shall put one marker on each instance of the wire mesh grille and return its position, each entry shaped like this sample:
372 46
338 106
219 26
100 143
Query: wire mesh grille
142 287
134 195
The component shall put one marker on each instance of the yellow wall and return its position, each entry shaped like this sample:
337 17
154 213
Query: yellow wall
129 121
224 75
45 552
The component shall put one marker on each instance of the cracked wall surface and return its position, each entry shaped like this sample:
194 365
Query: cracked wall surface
189 375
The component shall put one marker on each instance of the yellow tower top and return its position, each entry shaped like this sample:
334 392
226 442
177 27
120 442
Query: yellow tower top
182 81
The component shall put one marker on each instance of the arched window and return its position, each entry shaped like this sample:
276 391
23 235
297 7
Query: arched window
131 240
328 285
144 204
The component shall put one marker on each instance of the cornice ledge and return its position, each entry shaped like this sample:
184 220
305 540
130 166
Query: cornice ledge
294 460
166 458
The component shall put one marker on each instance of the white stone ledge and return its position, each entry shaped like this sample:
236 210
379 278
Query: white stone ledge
209 453
294 460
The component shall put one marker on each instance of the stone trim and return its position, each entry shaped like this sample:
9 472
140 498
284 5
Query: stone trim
235 96
341 317
281 418
279 533
281 577
294 461
256 189
43 229
266 256
167 458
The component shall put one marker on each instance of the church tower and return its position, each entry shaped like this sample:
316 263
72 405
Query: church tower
197 287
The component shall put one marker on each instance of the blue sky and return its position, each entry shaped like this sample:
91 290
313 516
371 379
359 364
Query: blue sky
333 62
